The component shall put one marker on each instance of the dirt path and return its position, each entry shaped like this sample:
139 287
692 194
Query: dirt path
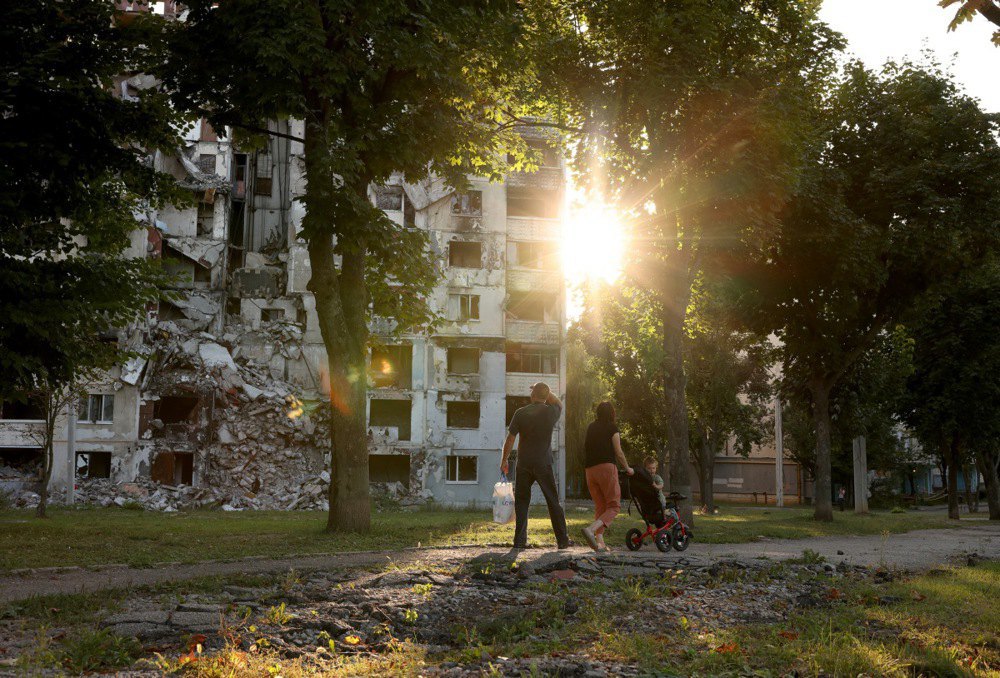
912 550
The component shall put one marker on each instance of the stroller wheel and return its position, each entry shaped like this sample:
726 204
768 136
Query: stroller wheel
633 539
663 541
681 539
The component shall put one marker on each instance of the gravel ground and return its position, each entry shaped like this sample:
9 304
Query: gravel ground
912 550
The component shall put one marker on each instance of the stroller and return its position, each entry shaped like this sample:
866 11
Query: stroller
664 527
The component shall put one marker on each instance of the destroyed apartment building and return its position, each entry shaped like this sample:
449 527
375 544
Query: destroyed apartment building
218 408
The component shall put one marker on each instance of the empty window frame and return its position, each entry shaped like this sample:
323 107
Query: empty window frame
466 306
391 414
263 174
463 361
97 408
173 468
175 409
532 359
271 314
461 469
532 306
541 255
465 254
389 198
389 468
392 366
467 204
93 465
206 163
463 414
21 411
523 201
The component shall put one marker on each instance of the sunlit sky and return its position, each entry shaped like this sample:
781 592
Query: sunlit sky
876 30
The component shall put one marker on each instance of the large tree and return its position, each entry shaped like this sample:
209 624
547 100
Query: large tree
728 386
900 195
692 115
383 87
74 174
954 392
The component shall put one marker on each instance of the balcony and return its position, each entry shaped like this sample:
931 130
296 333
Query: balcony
533 228
547 178
520 383
528 280
527 332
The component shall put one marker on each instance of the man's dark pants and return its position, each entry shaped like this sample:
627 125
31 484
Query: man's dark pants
526 476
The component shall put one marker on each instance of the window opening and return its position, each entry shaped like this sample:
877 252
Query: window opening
392 414
463 361
461 469
465 254
467 204
97 408
463 414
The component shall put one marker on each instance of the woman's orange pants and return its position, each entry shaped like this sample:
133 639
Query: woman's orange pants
602 481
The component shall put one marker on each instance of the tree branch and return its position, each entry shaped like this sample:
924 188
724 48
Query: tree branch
990 10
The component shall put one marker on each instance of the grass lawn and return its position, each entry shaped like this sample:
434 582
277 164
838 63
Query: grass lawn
94 536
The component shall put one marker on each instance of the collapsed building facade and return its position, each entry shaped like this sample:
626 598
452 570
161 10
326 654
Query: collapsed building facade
216 406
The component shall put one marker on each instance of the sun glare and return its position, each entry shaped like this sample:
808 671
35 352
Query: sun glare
592 243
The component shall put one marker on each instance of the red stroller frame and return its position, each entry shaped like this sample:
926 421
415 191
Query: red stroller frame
665 528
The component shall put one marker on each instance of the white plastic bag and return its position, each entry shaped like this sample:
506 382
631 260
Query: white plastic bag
503 501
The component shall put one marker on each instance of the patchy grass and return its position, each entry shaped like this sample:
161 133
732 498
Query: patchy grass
96 536
943 623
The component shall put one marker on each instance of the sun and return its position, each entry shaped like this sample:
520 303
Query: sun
593 243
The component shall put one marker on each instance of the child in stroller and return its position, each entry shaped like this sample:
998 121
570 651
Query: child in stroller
664 526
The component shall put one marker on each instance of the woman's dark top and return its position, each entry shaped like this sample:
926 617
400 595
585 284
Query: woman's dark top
598 449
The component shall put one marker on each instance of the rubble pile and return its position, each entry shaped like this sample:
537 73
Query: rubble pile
18 482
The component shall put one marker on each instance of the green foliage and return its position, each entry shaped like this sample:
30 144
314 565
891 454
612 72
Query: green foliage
584 390
967 9
899 197
75 170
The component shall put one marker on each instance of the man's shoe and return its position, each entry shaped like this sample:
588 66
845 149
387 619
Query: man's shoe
567 545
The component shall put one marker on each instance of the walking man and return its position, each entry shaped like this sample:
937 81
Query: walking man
534 424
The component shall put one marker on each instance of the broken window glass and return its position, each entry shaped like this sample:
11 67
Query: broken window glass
463 361
463 414
461 469
467 204
465 254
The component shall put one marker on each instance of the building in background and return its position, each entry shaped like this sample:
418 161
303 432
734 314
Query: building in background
215 407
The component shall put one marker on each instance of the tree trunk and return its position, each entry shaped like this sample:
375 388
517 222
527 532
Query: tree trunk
674 307
707 475
970 501
987 465
950 451
821 420
341 303
47 459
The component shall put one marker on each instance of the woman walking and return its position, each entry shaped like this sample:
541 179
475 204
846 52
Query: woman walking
602 448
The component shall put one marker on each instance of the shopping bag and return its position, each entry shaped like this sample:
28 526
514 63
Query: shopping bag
503 501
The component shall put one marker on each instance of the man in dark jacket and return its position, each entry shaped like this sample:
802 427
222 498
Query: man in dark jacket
534 424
